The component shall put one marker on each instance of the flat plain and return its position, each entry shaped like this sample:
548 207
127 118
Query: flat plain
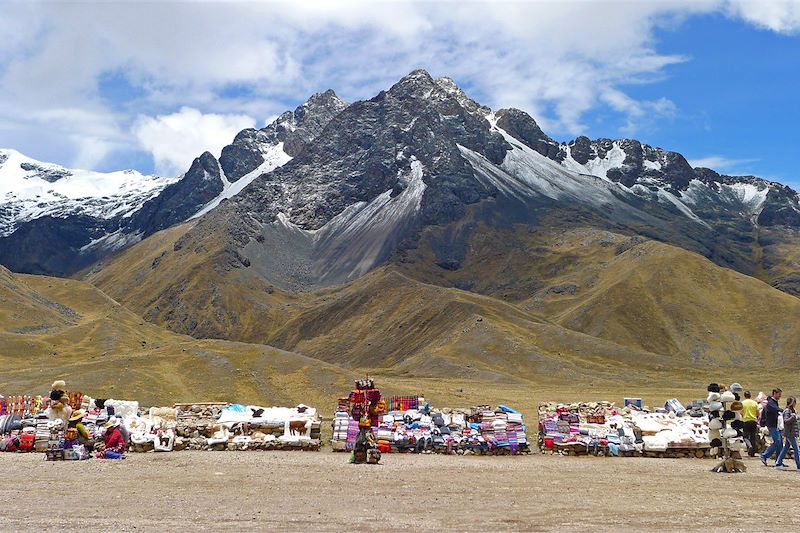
320 491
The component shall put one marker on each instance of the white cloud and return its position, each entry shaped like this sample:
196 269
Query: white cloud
782 16
176 139
719 163
557 60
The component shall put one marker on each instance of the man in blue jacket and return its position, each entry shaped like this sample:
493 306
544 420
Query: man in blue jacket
771 413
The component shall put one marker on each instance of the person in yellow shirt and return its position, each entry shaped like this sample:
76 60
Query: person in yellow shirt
750 419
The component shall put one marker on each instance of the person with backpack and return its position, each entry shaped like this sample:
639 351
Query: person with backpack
770 419
791 430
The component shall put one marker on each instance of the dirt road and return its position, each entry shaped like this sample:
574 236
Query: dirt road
320 491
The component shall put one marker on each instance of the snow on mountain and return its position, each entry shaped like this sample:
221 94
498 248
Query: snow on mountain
349 245
274 157
30 189
597 166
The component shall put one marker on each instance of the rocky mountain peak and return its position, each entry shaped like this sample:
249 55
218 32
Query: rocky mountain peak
295 129
444 92
522 127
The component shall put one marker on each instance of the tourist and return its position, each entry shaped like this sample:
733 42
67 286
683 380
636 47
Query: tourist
113 445
771 413
790 433
750 419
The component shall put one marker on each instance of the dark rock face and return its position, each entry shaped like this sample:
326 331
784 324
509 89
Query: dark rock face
522 127
367 148
581 149
780 208
244 154
49 175
295 129
179 201
51 245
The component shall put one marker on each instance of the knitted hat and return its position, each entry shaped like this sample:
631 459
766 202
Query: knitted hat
737 425
59 385
714 387
713 397
716 443
735 387
729 433
715 406
728 396
728 415
715 423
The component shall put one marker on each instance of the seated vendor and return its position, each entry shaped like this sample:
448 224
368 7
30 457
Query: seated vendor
81 434
113 445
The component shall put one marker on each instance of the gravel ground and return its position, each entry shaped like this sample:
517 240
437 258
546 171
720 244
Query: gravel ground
217 491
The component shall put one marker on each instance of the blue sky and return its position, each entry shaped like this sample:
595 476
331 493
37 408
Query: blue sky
150 86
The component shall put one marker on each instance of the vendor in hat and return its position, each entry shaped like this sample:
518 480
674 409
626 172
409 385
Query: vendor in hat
57 390
113 445
59 408
365 447
81 435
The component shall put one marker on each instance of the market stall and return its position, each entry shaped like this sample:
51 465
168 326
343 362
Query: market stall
602 428
409 424
27 424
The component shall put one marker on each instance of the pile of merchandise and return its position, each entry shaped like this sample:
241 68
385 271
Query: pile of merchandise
727 439
25 426
602 428
408 424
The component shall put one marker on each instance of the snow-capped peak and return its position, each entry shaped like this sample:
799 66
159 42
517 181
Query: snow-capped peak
31 189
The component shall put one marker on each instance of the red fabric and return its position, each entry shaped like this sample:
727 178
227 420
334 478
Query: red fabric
114 441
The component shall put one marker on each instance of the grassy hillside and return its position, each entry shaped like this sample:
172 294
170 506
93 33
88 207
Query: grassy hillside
457 348
108 350
641 294
581 304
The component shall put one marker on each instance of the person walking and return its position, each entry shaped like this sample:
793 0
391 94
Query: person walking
770 414
790 433
750 419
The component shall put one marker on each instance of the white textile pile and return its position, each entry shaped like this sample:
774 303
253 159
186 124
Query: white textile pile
667 430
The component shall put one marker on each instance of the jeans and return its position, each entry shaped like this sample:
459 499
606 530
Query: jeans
790 441
776 446
750 432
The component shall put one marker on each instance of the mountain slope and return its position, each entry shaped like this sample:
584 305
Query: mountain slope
656 297
52 327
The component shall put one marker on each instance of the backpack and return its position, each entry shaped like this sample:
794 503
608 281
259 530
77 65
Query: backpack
71 434
9 444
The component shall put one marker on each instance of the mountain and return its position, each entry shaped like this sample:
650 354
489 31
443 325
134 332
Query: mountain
57 221
50 215
421 191
422 234
421 165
